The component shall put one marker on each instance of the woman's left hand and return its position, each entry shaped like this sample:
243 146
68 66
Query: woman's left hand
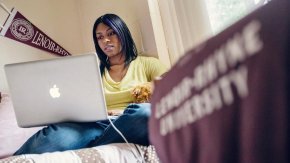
142 93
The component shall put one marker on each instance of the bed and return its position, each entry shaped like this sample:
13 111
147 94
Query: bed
12 137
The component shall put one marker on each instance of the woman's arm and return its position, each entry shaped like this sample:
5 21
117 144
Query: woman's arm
155 70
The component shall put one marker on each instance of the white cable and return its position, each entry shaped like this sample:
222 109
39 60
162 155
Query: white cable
120 133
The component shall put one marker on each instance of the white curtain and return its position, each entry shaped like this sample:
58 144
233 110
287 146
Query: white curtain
184 24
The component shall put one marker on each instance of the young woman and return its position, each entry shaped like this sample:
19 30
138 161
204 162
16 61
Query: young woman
122 70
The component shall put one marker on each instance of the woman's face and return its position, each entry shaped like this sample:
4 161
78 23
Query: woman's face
108 40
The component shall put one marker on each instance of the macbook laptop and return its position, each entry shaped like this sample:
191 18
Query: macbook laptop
67 89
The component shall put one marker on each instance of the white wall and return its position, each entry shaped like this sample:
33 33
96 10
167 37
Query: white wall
90 10
69 23
135 13
146 29
58 19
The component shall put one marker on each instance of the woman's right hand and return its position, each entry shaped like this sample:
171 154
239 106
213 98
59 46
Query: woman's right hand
116 112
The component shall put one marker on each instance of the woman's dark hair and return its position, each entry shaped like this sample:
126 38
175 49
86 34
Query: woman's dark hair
123 33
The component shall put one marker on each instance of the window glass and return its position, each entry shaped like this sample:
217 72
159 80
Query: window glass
222 13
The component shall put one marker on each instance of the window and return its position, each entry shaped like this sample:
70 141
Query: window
222 13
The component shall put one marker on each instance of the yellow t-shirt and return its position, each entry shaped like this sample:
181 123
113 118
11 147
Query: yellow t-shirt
141 70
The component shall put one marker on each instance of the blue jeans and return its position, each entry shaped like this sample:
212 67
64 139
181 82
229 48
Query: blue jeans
133 124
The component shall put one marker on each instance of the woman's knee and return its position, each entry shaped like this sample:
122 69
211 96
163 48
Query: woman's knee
140 110
61 135
71 135
137 114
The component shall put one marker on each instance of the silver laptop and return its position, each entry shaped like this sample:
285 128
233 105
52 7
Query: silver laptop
67 89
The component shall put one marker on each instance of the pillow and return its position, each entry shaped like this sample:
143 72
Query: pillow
11 136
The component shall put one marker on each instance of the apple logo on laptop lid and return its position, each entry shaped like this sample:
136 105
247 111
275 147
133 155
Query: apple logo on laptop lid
54 92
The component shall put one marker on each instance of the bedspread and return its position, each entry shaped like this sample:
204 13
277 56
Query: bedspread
112 153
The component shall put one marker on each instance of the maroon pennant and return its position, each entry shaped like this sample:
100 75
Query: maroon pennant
18 28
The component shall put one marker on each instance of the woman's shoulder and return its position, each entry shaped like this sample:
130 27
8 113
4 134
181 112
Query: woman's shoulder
152 66
147 59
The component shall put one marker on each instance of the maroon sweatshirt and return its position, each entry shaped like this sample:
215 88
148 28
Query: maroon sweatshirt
227 100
